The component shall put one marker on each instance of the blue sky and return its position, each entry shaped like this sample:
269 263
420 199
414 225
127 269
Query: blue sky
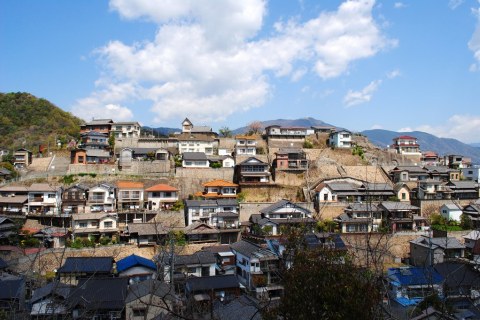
396 65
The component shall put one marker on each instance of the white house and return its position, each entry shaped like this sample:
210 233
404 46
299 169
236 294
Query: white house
161 196
195 160
340 139
451 211
101 198
43 199
245 145
94 224
126 129
209 211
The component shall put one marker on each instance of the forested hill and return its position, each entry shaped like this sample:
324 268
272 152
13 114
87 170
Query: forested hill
28 122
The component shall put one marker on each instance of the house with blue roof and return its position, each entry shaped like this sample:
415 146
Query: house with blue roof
136 268
410 285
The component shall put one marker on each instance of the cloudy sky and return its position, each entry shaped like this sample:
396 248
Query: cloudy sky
405 65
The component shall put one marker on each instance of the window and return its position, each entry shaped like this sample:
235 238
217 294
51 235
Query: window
51 195
82 224
404 196
138 312
108 224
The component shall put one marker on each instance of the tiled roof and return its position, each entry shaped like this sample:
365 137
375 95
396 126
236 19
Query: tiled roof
129 185
194 156
132 261
161 187
412 276
16 199
251 250
41 187
212 283
87 264
100 294
220 183
150 286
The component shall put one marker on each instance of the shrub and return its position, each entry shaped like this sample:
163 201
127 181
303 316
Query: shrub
307 144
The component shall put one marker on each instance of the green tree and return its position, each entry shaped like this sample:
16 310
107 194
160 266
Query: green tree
466 222
225 132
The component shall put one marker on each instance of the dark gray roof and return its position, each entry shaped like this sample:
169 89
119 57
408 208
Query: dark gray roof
100 293
16 199
12 289
467 184
252 161
145 229
378 186
4 171
440 242
341 186
242 308
362 207
252 250
53 288
149 286
198 258
458 274
194 156
87 265
211 203
396 205
212 283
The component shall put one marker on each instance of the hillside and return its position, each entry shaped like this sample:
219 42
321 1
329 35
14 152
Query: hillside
427 142
28 122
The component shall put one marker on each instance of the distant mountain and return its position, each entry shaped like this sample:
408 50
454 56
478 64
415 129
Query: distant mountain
28 122
159 132
476 145
427 142
302 122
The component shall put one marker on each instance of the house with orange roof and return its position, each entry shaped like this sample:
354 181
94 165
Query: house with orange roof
218 189
130 195
161 197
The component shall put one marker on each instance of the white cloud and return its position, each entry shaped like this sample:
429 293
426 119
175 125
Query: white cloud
399 5
454 4
205 61
474 43
353 98
393 74
463 127
376 126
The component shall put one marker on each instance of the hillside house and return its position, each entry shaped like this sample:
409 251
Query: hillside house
427 251
253 171
281 213
400 216
101 197
245 145
337 190
360 217
464 190
136 268
430 189
290 159
13 205
198 264
161 197
218 189
289 133
74 199
95 225
408 173
75 268
451 211
406 145
197 143
471 173
257 269
212 212
22 158
44 199
195 160
130 195
98 125
126 129
473 212
410 285
340 139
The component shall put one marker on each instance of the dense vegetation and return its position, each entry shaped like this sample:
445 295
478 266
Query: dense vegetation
28 122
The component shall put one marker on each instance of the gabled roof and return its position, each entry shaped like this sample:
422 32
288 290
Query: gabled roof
440 242
220 183
413 276
198 258
100 293
458 274
161 187
194 284
452 206
252 160
282 204
396 206
12 289
132 261
42 187
200 228
252 250
53 288
87 265
16 199
150 286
